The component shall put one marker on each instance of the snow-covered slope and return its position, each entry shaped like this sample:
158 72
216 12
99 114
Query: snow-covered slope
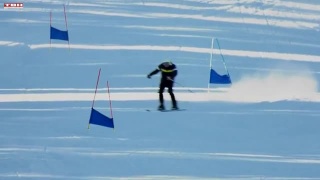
264 126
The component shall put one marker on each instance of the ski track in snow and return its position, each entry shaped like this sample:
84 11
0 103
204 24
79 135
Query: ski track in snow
148 96
287 87
306 113
103 153
239 53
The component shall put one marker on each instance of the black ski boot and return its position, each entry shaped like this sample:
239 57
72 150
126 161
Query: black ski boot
174 106
161 107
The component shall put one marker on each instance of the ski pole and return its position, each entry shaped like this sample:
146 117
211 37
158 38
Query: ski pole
179 84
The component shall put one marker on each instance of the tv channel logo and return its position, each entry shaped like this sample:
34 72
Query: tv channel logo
12 5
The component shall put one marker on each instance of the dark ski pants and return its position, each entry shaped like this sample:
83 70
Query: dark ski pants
167 84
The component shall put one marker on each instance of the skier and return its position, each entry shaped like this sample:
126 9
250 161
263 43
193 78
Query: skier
168 73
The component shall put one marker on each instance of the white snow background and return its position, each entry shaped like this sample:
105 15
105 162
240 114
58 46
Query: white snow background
264 126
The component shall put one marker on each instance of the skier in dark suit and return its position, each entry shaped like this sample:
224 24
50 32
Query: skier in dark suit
168 73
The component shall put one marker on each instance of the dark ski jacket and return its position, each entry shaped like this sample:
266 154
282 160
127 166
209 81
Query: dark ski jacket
168 71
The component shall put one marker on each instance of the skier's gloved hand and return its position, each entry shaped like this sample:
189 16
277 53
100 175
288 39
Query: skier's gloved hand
149 77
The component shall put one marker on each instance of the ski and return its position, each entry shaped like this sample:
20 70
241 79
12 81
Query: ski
165 110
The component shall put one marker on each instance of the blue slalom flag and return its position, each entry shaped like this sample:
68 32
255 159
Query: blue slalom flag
216 78
99 119
58 34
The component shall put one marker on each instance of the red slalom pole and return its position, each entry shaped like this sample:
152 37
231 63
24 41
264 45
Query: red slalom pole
110 100
65 18
95 92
